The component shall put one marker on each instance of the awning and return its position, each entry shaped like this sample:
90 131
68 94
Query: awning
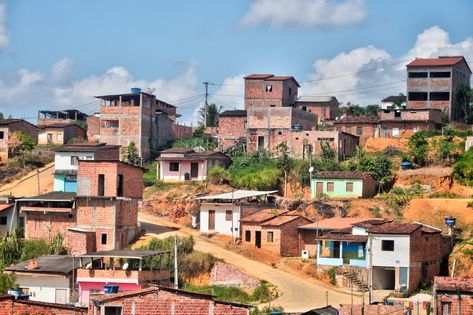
238 194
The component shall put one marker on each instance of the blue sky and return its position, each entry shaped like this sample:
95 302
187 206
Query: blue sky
58 54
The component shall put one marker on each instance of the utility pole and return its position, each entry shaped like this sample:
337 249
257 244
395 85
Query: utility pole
370 266
206 83
176 276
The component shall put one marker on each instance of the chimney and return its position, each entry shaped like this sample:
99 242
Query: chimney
32 264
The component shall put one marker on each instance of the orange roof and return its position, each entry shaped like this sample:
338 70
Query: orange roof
263 215
5 206
440 61
335 223
283 219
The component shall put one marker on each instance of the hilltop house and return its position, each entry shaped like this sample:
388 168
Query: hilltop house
62 117
343 184
179 164
66 162
325 107
60 134
7 128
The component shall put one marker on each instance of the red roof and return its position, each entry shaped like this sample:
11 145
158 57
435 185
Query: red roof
440 61
335 223
263 215
283 219
453 284
272 77
5 206
259 76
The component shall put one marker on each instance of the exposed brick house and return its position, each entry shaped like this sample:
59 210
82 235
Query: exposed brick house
432 82
362 126
232 128
8 127
93 127
393 123
181 131
12 306
325 107
60 134
63 117
164 300
453 296
268 90
376 309
108 196
180 164
135 117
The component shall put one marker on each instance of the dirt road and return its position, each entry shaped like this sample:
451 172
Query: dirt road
298 293
27 186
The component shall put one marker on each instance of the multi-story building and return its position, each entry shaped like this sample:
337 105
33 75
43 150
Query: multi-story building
232 128
62 117
8 127
136 117
268 90
395 122
432 83
66 161
325 107
60 134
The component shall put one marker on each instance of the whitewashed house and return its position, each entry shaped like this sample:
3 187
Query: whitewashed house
222 213
46 278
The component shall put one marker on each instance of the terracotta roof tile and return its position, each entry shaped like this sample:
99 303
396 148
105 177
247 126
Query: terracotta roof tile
453 284
440 61
5 206
342 175
335 223
357 120
283 219
263 215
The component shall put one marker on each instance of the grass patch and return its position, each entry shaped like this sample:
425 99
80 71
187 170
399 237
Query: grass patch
444 194
150 176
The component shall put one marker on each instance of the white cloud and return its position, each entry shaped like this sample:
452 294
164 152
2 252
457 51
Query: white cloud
305 13
230 93
4 39
347 75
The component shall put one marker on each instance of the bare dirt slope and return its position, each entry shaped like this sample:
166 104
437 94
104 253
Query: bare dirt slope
27 186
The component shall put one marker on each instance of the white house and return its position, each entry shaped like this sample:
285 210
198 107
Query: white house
66 161
46 278
391 101
222 213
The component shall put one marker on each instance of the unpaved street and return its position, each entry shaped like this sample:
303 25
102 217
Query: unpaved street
27 186
299 294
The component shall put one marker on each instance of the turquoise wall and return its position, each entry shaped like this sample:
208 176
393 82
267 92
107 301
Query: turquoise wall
339 189
59 182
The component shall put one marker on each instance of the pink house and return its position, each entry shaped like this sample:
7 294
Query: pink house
179 164
128 270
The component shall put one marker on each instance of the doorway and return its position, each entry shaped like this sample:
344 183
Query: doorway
260 143
319 188
258 239
194 170
211 219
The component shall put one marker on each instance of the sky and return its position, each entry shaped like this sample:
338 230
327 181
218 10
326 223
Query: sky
57 54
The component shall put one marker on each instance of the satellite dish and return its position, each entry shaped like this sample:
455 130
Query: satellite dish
199 149
88 266
125 266
311 169
151 90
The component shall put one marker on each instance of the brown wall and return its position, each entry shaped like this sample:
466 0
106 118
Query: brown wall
20 125
286 118
324 110
10 306
290 237
231 130
255 95
93 128
452 297
47 225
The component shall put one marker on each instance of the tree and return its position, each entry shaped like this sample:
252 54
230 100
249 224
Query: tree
379 166
327 152
418 147
399 103
213 112
462 95
1 116
463 168
372 110
20 143
131 155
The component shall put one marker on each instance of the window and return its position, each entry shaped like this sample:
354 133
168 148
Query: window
120 185
439 96
104 239
174 167
417 96
359 130
442 74
74 160
109 123
272 105
228 215
247 236
270 236
290 91
330 186
349 187
101 185
3 220
2 134
397 114
387 245
269 88
38 224
304 108
417 75
446 308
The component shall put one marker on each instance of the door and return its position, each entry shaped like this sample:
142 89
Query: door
319 188
258 239
61 296
211 219
260 143
49 138
194 170
70 185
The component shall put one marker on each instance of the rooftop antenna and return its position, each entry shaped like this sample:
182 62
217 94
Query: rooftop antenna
151 90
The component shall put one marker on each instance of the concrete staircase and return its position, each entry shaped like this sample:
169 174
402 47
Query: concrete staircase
352 277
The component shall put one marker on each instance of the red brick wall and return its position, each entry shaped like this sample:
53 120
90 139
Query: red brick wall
324 110
466 303
285 117
81 242
181 131
19 307
255 95
290 237
230 130
367 130
46 226
93 128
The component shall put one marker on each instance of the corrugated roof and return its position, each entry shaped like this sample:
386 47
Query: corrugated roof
263 215
440 61
86 147
136 254
394 98
283 219
178 150
234 113
5 206
54 264
237 194
52 196
453 284
335 223
315 99
342 175
4 122
357 120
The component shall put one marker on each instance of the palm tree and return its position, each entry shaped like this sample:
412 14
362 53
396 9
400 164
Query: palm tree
213 112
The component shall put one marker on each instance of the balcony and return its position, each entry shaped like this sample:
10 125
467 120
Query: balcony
118 275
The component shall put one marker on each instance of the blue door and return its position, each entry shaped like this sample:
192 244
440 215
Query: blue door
70 185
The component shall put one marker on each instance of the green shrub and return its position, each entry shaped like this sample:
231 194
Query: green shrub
34 248
332 273
222 293
196 263
463 168
265 293
217 175
149 177
444 194
7 282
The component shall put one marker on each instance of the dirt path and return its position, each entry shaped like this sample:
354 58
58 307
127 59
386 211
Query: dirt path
27 186
298 293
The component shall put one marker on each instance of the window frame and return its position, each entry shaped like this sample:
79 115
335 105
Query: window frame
2 135
247 236
420 99
418 74
387 248
348 184
228 215
268 238
173 169
268 88
359 130
440 74
3 220
330 186
437 96
103 239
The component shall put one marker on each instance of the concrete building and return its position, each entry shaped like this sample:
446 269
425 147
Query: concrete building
222 213
135 117
393 123
325 107
432 82
66 161
93 127
129 270
7 214
343 184
181 164
46 278
60 134
364 127
164 300
232 126
268 90
394 102
7 128
62 117
452 295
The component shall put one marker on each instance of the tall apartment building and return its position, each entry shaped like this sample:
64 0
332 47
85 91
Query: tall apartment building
268 90
135 117
432 82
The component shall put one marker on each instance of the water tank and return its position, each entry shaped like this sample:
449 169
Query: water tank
406 165
135 90
110 288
